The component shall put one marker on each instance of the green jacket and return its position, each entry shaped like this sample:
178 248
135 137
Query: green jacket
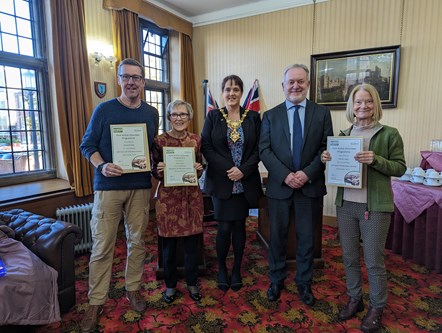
389 161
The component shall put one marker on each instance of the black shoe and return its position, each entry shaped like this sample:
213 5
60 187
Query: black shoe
349 311
223 281
274 291
372 322
194 293
169 299
307 297
236 282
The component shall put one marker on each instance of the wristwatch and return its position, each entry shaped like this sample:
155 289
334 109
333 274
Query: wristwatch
100 167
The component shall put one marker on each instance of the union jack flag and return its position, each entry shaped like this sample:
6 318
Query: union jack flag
211 102
252 99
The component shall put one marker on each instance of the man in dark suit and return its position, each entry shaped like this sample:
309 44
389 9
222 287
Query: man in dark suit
293 136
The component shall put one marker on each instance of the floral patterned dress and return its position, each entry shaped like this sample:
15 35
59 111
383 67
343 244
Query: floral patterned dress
179 209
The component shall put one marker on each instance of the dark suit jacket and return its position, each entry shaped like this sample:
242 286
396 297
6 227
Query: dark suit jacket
217 153
275 152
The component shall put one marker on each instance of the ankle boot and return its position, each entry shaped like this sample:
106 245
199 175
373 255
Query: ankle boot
372 321
349 311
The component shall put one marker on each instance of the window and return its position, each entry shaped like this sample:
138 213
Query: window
24 116
155 49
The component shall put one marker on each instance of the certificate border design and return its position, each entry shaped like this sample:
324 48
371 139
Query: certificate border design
359 169
145 147
194 173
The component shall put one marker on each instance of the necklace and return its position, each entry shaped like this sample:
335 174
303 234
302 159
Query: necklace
234 124
129 106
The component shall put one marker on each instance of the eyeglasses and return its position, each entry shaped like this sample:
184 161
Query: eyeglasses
135 78
183 116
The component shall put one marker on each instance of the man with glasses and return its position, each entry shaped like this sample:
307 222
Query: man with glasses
293 136
118 196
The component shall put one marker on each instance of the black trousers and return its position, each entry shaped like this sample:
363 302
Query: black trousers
169 245
306 210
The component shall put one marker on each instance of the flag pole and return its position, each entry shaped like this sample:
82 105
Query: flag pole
205 97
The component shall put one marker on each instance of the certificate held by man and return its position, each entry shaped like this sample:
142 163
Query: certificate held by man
343 170
130 147
179 166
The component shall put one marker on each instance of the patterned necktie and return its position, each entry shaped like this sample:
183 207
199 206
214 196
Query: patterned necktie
297 139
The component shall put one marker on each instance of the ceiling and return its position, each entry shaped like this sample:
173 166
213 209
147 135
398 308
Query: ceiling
192 8
201 12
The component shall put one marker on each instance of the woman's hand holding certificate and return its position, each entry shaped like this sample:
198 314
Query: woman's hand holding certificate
179 166
344 167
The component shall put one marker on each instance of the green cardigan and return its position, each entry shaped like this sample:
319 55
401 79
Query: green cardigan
389 161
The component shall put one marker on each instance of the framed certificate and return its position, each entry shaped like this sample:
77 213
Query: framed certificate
343 170
130 147
179 166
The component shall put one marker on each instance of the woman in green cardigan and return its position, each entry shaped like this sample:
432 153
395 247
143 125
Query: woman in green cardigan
365 213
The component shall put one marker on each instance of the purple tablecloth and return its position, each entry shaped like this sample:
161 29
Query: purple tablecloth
412 199
431 160
417 235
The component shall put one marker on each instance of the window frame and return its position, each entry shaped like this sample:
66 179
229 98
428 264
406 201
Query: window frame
152 85
39 64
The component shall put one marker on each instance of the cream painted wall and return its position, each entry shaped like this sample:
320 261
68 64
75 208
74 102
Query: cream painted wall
99 37
99 29
261 46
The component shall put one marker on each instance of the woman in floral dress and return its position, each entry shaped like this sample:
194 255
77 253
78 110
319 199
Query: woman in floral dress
179 209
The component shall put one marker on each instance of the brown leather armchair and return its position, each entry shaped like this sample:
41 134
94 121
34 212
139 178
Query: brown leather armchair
53 242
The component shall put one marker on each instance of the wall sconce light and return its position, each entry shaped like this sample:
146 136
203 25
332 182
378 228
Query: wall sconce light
98 56
111 60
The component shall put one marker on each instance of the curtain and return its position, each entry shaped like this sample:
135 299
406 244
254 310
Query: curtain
153 13
73 89
187 79
126 37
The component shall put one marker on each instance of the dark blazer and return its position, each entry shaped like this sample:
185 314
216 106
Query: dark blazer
275 152
217 153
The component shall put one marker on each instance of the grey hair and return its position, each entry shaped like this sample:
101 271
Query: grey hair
172 105
131 62
302 66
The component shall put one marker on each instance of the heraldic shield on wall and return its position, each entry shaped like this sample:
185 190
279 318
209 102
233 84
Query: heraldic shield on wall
100 89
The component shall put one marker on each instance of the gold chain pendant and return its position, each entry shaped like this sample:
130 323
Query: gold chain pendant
234 135
234 124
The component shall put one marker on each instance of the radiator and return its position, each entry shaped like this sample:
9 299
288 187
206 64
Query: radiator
80 215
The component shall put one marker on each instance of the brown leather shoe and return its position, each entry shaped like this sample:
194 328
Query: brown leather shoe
90 318
372 321
136 301
349 311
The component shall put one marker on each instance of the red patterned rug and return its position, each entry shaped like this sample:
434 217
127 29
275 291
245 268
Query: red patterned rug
414 303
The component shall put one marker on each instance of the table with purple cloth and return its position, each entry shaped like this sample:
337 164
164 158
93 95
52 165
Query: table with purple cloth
416 226
431 160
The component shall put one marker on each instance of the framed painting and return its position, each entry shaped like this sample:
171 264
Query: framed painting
334 75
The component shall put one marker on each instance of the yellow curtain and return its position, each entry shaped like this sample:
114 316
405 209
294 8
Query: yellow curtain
187 79
126 37
73 88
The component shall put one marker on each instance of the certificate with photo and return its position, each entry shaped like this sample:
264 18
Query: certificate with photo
130 147
343 170
179 166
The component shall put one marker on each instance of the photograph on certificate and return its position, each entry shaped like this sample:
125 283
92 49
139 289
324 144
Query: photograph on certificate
179 166
343 170
130 147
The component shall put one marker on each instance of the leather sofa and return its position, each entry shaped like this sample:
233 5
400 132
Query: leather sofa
53 242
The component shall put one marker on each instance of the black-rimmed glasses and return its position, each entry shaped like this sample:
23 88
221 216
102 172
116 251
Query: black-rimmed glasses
127 77
183 116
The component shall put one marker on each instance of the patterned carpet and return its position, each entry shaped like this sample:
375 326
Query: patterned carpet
414 304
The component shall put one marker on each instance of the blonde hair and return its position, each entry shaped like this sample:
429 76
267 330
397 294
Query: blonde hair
377 106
